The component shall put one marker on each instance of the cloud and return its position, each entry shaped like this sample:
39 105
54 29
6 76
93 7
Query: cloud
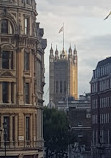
84 27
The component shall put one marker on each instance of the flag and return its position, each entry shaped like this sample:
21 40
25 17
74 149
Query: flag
61 29
107 16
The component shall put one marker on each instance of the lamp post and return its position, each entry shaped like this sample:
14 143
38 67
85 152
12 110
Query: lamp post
5 135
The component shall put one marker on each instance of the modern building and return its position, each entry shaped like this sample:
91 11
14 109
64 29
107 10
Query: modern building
63 75
101 109
21 80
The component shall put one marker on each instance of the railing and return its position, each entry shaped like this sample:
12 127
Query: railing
22 144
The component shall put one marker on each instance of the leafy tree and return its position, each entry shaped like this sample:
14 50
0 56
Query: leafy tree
56 134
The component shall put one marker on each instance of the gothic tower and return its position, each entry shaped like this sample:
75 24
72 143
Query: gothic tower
63 75
21 80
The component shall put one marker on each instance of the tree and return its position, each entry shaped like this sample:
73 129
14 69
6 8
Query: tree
55 132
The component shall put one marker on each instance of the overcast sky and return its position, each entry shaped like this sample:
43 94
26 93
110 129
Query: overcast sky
84 26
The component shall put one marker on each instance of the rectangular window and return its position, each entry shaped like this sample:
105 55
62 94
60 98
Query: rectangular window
27 96
12 92
4 26
5 87
6 128
5 60
13 129
56 86
11 57
60 86
26 26
27 128
65 87
26 61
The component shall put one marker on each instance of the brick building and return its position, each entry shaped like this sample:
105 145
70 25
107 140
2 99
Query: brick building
21 80
101 109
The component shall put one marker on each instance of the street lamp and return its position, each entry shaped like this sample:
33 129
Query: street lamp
5 135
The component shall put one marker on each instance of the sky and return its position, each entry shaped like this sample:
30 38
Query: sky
84 27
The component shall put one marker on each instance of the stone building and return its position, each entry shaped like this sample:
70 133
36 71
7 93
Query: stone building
21 80
101 109
63 75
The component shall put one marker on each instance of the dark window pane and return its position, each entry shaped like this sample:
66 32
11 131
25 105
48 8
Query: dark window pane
56 86
11 54
60 86
5 92
26 61
13 128
27 93
27 128
12 92
4 26
5 60
65 87
7 128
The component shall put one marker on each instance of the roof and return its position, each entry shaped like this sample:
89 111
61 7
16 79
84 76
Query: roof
104 62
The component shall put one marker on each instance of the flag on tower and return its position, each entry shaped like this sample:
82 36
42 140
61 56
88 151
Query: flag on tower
107 16
61 29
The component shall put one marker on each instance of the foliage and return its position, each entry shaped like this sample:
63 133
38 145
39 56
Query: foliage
55 132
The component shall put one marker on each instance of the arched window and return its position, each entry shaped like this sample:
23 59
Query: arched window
6 27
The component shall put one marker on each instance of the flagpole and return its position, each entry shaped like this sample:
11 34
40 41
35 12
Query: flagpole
63 36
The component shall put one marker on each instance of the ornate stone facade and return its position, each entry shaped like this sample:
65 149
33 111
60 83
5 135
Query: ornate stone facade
63 76
21 79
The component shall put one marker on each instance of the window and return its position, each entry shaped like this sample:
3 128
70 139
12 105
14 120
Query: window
60 86
7 60
56 86
26 61
27 100
6 27
7 129
65 87
26 26
28 1
12 92
27 128
5 92
13 129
